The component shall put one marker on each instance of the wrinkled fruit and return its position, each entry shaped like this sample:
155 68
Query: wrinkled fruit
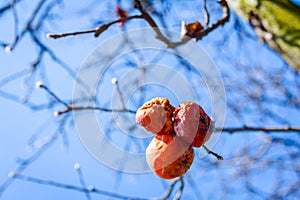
169 156
156 116
192 123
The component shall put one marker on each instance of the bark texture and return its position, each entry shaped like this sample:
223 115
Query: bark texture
276 22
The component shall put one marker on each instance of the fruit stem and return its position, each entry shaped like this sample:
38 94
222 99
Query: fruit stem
212 153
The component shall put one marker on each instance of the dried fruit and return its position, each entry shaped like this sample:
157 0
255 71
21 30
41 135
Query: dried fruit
190 29
156 116
169 156
121 14
192 123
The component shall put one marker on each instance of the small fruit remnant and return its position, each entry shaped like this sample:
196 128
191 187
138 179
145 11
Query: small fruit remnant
190 29
121 14
156 116
192 123
169 156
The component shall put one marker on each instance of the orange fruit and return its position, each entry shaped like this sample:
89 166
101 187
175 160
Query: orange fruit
192 124
156 116
169 156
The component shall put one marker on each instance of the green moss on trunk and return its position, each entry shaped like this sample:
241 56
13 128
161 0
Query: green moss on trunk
281 19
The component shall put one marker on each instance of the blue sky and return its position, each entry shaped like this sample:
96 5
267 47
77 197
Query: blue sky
240 62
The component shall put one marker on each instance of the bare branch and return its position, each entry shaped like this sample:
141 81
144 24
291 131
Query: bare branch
56 36
24 163
70 107
51 94
180 190
97 31
171 188
27 27
206 13
77 167
221 22
82 108
103 28
8 6
144 15
264 129
90 189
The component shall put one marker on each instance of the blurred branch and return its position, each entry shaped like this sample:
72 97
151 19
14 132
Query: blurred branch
82 108
8 6
70 107
82 181
263 129
14 76
90 189
226 129
180 190
27 26
171 187
24 163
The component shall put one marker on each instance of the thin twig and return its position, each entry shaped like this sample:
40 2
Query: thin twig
16 18
26 162
14 76
198 35
212 153
170 189
90 189
82 108
27 26
103 28
220 22
70 107
206 13
180 190
77 167
97 31
263 129
8 6
53 95
146 16
56 36
120 95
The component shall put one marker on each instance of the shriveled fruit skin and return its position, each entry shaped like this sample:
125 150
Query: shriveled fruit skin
169 156
192 123
156 116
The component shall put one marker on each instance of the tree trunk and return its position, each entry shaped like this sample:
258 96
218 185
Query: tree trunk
276 22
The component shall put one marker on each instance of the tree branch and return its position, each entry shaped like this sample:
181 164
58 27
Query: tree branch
90 189
207 17
145 15
97 31
82 108
220 22
263 129
70 107
171 188
8 6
